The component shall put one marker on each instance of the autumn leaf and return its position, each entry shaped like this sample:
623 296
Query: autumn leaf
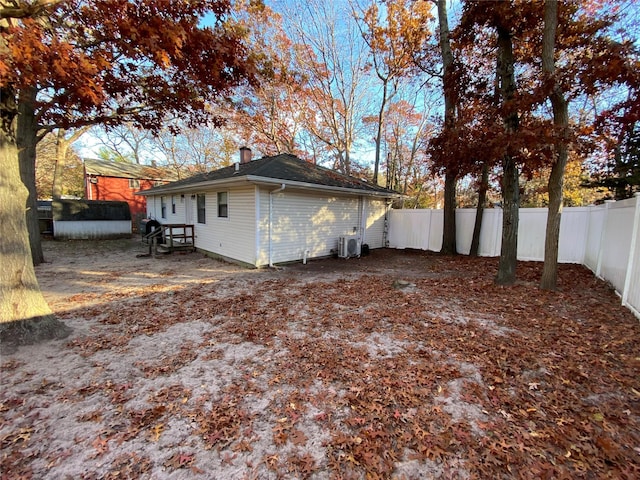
156 431
180 460
298 437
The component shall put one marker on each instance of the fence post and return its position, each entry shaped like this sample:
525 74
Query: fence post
603 232
429 230
632 250
497 231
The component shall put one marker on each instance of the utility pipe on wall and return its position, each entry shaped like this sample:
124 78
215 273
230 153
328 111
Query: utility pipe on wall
277 190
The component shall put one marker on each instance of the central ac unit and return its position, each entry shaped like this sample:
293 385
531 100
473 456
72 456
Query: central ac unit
348 246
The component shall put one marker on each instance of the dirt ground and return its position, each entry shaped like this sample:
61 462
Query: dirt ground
401 364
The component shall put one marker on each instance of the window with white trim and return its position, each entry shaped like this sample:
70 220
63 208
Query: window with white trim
223 205
200 202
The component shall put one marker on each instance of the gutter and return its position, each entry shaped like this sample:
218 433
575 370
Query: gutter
254 179
316 186
277 190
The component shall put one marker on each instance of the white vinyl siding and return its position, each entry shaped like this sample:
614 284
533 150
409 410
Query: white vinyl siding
374 214
179 216
233 236
152 212
154 209
262 227
302 221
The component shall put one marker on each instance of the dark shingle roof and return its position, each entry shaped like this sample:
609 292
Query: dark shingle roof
126 170
284 167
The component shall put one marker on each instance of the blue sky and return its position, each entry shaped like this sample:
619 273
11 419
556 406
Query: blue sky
630 29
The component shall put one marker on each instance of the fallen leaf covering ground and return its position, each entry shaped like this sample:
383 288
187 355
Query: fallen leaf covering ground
396 365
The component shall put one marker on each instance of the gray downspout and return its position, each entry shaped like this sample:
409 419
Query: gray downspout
362 227
282 187
385 232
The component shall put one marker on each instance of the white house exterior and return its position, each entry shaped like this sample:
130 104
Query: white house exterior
273 210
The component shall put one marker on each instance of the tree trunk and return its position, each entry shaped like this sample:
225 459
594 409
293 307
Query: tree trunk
383 106
482 199
510 219
510 174
347 162
449 227
549 278
61 155
62 149
451 174
27 130
25 316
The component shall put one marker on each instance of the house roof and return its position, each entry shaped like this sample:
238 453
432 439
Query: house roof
278 169
126 170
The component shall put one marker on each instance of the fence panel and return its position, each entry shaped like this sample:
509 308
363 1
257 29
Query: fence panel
632 298
422 229
605 238
631 294
617 242
409 229
465 220
491 233
595 233
419 229
531 231
574 232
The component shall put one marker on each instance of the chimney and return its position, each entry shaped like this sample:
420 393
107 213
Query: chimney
245 154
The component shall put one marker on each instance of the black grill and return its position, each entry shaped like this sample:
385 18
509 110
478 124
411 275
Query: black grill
148 225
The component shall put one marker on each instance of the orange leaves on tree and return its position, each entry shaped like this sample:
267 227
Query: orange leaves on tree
114 61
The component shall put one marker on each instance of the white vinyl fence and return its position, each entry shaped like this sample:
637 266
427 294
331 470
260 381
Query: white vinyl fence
605 238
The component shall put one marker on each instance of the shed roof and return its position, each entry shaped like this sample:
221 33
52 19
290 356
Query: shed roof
126 170
79 210
282 168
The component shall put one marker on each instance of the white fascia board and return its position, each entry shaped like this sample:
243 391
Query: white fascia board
195 187
255 179
318 187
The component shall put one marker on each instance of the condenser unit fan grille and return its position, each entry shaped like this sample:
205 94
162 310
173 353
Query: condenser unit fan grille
352 247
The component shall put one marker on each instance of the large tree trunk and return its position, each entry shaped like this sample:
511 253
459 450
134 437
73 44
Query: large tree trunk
451 173
510 174
549 278
26 138
510 219
25 316
449 227
482 199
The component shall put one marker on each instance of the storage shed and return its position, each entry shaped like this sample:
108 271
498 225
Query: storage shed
90 219
275 210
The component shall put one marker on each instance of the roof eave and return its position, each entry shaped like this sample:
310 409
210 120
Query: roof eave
256 179
316 186
195 187
134 177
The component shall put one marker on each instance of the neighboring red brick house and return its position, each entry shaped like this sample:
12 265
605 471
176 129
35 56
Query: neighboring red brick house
104 180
